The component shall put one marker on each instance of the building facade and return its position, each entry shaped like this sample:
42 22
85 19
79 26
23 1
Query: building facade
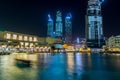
68 28
94 26
113 42
50 26
21 40
24 40
59 25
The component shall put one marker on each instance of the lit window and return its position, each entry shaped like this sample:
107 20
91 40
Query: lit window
8 36
26 44
14 36
30 38
25 38
22 43
35 39
31 44
20 37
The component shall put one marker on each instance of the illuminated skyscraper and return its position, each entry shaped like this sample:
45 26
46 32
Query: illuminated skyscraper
94 28
50 26
59 25
68 28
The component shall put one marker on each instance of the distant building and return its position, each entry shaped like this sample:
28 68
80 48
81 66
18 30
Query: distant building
68 28
24 40
113 42
50 27
59 25
94 25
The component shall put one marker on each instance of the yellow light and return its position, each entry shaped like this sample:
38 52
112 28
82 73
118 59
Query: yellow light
25 38
30 38
14 36
20 37
8 36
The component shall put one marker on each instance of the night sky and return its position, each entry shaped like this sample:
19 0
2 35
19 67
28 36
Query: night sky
30 16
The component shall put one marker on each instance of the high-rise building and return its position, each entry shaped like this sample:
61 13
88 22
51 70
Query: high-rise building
68 28
94 26
50 26
59 25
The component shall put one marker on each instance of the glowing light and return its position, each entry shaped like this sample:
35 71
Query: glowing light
30 38
20 37
8 36
26 44
14 36
22 43
35 39
78 40
49 18
25 38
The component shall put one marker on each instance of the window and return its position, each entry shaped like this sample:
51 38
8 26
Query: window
8 36
30 38
14 36
25 38
21 43
35 39
26 44
20 37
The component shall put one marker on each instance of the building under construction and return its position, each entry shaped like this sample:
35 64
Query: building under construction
94 25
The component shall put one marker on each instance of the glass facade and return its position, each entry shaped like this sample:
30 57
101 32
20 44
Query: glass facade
50 26
59 24
68 28
94 28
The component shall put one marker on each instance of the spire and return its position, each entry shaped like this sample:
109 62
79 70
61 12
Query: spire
49 18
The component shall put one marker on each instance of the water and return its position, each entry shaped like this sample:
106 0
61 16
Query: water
69 66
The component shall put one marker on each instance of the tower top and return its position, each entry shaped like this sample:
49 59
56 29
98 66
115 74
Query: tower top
95 2
69 16
59 13
49 18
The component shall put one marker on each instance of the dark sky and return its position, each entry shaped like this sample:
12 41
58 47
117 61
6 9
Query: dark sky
30 16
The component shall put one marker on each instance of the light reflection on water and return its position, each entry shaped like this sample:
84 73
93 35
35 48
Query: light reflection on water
61 66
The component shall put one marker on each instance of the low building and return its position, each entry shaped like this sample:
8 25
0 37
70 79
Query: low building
19 39
24 40
113 42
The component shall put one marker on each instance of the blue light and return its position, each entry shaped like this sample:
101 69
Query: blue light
49 18
69 16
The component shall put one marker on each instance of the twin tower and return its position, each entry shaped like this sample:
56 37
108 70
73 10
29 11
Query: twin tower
58 33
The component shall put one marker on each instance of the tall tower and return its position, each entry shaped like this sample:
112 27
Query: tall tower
94 29
50 26
59 25
68 28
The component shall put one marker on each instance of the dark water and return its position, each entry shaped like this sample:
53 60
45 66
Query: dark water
70 66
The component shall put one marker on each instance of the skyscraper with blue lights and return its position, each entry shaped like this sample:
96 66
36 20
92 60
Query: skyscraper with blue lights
94 26
68 28
50 26
59 25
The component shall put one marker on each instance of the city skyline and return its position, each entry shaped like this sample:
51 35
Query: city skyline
31 16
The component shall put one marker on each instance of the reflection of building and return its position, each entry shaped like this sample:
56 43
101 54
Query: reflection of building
68 28
59 25
24 40
94 30
50 27
114 42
